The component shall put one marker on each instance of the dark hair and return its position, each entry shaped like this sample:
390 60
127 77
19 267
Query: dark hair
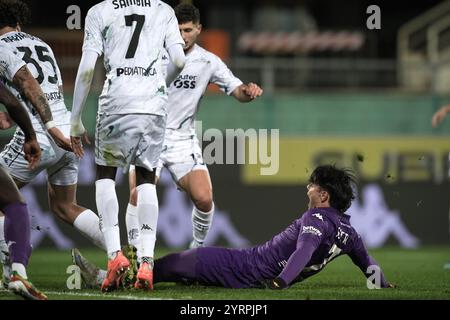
13 12
339 183
187 13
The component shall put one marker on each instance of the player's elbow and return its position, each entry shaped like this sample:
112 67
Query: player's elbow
180 63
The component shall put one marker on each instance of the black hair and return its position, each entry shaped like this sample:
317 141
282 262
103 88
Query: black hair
187 13
13 12
339 183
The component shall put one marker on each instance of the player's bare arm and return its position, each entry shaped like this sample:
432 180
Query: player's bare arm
19 116
440 115
24 80
247 92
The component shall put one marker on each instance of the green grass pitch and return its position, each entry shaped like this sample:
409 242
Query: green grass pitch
419 274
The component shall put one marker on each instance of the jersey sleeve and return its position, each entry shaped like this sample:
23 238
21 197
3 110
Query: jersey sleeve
58 72
224 78
93 40
10 63
312 232
365 262
173 35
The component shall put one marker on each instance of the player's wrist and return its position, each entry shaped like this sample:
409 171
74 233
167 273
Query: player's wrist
30 137
77 129
50 124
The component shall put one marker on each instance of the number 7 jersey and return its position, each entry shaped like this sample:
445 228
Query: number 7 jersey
132 35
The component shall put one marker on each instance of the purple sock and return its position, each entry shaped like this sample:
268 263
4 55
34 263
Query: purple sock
17 232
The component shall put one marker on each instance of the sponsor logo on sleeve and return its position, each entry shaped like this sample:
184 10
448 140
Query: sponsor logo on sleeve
312 230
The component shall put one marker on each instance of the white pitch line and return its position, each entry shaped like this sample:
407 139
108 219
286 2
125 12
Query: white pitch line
112 296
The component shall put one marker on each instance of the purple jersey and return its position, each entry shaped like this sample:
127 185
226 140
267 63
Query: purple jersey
303 249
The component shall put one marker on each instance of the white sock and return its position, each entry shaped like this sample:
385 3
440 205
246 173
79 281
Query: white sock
20 269
132 223
87 223
108 211
4 251
201 221
147 209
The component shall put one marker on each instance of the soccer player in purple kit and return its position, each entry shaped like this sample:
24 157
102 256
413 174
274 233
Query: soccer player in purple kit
303 249
17 221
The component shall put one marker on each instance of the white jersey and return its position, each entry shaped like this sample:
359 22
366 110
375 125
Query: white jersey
41 62
10 63
202 67
132 35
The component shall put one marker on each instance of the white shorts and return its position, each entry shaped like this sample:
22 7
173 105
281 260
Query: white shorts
125 139
61 165
181 156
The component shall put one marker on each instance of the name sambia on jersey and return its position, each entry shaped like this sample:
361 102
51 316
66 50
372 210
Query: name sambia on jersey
132 36
185 92
41 62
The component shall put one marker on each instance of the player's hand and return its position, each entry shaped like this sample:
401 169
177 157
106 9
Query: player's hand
77 144
252 90
5 121
32 152
60 139
439 116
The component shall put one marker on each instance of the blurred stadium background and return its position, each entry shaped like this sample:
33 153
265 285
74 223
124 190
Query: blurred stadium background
337 91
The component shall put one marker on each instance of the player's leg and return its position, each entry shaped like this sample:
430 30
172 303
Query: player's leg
131 216
197 185
147 210
17 235
108 210
12 159
176 267
184 160
209 266
146 160
4 252
62 202
62 187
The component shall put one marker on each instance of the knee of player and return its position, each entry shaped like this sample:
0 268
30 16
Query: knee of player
203 201
61 210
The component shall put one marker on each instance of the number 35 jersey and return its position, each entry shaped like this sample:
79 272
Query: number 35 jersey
132 36
41 62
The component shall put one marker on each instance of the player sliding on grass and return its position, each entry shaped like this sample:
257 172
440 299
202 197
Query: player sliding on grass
182 154
303 249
